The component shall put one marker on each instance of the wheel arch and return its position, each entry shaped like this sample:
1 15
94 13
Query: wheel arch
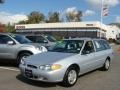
108 58
24 51
76 66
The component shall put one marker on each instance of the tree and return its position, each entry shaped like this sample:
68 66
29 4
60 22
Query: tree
10 28
74 16
53 17
35 17
22 22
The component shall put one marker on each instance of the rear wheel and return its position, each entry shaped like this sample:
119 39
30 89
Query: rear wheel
22 57
106 65
70 77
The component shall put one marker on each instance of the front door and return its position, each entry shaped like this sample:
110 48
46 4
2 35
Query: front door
6 49
88 57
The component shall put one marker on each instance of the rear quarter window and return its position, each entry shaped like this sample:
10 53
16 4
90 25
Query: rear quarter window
106 44
101 45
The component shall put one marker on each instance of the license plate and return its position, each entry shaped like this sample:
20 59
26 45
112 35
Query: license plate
28 73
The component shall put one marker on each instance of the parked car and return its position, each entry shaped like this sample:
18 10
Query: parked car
67 60
17 47
45 40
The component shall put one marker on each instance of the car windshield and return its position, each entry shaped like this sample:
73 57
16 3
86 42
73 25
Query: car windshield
51 38
21 39
67 46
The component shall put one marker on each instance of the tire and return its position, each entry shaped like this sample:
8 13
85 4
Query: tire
70 77
22 56
106 65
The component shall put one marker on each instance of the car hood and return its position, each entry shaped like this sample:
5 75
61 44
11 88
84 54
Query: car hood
47 58
34 44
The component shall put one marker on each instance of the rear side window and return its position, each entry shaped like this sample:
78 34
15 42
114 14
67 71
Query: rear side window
101 45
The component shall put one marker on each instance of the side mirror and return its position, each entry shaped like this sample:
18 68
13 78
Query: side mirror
10 43
45 41
84 52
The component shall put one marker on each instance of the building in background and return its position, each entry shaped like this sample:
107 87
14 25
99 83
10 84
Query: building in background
113 32
65 30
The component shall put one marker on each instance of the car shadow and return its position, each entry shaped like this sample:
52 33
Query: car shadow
8 63
35 83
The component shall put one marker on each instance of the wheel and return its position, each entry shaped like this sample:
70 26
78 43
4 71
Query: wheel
22 57
70 77
106 65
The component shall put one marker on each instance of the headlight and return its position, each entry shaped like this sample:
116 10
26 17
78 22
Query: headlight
41 48
50 67
45 67
38 48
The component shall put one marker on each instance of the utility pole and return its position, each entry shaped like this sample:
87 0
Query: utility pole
101 17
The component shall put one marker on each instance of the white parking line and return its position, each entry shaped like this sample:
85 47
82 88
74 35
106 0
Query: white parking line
11 69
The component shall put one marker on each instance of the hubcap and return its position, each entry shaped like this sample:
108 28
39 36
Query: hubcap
107 64
72 77
23 58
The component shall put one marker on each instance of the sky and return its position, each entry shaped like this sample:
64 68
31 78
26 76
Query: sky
14 11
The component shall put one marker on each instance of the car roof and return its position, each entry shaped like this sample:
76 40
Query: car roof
9 34
5 33
86 39
38 35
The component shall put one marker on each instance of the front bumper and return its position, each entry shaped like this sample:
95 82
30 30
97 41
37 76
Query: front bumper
45 76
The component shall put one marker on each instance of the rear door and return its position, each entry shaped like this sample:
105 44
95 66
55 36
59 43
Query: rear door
101 52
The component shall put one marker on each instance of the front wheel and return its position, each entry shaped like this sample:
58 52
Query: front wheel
70 77
22 57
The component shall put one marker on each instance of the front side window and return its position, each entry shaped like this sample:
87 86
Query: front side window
88 48
4 39
37 39
32 38
50 38
40 39
68 46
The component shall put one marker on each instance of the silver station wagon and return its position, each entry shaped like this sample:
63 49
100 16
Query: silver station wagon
68 59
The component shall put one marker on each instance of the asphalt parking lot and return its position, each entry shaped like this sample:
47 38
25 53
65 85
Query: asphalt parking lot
10 79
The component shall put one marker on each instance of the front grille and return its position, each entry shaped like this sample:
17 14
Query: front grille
32 66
